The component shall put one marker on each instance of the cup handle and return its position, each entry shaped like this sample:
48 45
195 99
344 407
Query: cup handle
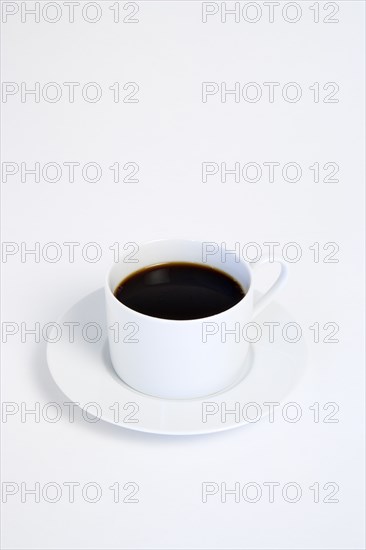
267 297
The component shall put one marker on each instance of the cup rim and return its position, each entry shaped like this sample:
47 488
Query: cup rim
180 321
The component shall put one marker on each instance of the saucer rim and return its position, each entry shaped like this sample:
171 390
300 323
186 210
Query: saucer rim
140 427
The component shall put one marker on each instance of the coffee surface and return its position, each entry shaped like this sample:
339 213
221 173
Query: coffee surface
179 291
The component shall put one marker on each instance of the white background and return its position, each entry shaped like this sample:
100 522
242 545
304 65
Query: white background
169 133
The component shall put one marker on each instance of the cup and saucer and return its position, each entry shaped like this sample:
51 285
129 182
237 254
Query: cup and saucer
172 376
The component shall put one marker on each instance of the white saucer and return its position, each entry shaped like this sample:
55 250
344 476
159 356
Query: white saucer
84 373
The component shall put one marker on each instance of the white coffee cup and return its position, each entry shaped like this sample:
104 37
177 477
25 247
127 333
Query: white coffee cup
177 359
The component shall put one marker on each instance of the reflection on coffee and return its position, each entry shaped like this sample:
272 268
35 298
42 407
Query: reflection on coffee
179 291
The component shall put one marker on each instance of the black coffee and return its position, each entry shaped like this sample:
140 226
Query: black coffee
179 290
